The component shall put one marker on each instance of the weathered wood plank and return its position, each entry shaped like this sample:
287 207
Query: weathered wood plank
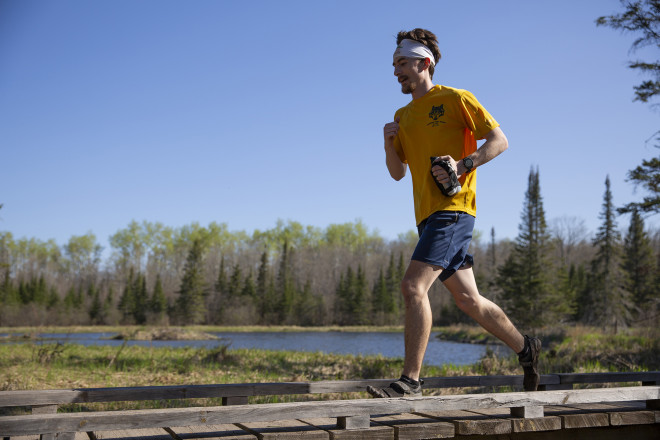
284 430
546 423
632 418
105 420
608 407
471 423
373 432
138 434
584 420
549 423
414 426
210 432
638 432
86 395
574 378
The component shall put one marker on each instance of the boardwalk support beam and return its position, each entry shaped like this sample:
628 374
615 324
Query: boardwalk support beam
354 422
527 412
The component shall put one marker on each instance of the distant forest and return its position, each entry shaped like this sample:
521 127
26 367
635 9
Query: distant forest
339 275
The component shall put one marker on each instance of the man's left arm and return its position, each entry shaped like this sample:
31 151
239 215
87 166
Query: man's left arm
496 143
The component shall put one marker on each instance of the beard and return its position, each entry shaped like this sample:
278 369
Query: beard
408 87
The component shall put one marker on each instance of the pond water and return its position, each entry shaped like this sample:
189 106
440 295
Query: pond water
390 345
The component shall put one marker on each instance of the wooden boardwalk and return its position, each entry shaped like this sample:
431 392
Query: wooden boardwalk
558 411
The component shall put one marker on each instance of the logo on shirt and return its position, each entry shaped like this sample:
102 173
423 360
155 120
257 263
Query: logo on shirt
435 113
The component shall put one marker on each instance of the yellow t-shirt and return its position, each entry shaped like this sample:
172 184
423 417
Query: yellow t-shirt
445 121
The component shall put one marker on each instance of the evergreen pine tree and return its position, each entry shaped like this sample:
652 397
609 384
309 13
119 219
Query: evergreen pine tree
343 294
53 298
158 302
235 282
393 277
249 289
5 286
10 294
23 292
216 300
639 262
40 292
609 301
95 309
127 300
190 304
307 306
526 277
141 296
380 295
78 298
70 298
285 285
109 301
359 303
221 283
262 291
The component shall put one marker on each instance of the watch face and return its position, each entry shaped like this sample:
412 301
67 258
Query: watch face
468 163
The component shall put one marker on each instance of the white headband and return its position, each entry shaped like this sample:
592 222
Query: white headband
413 49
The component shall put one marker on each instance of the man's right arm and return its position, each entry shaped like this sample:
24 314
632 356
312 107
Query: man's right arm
396 168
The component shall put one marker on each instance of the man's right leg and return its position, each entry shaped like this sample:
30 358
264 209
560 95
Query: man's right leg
415 289
418 322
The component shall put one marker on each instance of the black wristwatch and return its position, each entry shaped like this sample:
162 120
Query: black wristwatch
468 164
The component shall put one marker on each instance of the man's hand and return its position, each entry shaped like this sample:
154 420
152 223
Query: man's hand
391 129
440 174
396 168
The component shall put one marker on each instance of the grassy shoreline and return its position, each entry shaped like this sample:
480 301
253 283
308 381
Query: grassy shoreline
33 366
197 328
455 333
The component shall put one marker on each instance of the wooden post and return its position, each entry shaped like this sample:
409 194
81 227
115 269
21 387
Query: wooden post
353 422
527 412
45 409
653 404
235 400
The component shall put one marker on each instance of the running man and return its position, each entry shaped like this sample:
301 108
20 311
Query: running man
445 122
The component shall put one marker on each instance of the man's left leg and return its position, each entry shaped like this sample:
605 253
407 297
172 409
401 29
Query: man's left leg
491 317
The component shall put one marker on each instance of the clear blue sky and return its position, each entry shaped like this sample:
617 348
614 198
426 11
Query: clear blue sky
250 112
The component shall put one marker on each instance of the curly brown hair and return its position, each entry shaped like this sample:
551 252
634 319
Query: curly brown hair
427 38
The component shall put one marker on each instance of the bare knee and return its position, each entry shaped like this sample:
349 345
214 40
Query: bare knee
468 303
413 292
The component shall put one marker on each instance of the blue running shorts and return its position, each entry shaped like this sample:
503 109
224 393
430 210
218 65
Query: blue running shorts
444 238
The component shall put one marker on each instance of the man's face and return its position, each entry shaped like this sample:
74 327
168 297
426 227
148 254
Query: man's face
408 73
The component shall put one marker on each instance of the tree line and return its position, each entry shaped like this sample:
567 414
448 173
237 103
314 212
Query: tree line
343 274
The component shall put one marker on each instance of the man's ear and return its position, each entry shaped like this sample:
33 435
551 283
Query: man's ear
423 64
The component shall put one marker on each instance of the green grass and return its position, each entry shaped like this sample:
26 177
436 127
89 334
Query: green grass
199 328
31 366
